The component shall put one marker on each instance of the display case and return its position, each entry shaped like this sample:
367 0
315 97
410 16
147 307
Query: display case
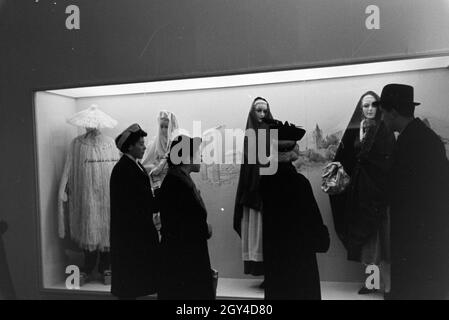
321 100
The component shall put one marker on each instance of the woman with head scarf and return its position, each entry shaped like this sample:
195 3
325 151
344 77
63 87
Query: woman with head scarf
360 213
155 161
248 202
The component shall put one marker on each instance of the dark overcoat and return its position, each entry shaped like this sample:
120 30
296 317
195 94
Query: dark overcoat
293 231
419 215
186 268
134 239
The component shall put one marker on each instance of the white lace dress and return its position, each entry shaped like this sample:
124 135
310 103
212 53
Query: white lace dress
85 189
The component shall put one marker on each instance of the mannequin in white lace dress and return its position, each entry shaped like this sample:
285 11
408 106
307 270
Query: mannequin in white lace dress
83 201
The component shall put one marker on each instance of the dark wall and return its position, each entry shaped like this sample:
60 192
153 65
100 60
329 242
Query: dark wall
142 40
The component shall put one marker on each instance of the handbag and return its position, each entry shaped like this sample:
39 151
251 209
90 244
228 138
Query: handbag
334 179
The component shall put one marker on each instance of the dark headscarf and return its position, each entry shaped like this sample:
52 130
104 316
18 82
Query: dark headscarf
248 188
346 153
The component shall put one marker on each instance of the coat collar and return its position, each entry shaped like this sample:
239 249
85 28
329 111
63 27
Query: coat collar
136 165
412 125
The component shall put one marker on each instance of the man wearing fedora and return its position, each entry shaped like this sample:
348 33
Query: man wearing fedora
419 206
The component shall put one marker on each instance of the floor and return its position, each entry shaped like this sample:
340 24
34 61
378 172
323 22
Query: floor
248 289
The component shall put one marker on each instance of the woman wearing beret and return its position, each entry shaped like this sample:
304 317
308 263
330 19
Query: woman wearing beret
134 239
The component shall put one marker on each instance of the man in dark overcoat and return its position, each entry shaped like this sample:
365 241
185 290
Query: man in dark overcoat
418 199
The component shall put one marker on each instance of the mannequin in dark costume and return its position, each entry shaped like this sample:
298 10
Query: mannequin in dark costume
293 228
361 213
186 267
248 200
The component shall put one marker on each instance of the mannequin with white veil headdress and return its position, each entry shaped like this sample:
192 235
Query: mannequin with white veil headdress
155 161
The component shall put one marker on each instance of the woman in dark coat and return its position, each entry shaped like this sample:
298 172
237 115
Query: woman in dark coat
134 239
292 226
360 213
186 268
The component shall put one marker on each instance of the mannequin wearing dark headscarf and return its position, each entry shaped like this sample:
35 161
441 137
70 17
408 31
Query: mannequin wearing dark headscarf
247 216
360 213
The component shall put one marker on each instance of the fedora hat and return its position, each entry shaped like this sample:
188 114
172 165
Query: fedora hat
396 96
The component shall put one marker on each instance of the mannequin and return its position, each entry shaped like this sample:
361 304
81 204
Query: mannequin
155 161
248 203
83 202
361 214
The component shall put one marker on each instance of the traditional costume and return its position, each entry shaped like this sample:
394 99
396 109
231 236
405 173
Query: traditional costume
83 202
248 202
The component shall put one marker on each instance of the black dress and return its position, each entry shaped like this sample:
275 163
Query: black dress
293 232
419 215
134 239
186 268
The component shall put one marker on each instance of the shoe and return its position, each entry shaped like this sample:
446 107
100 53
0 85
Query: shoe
365 290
